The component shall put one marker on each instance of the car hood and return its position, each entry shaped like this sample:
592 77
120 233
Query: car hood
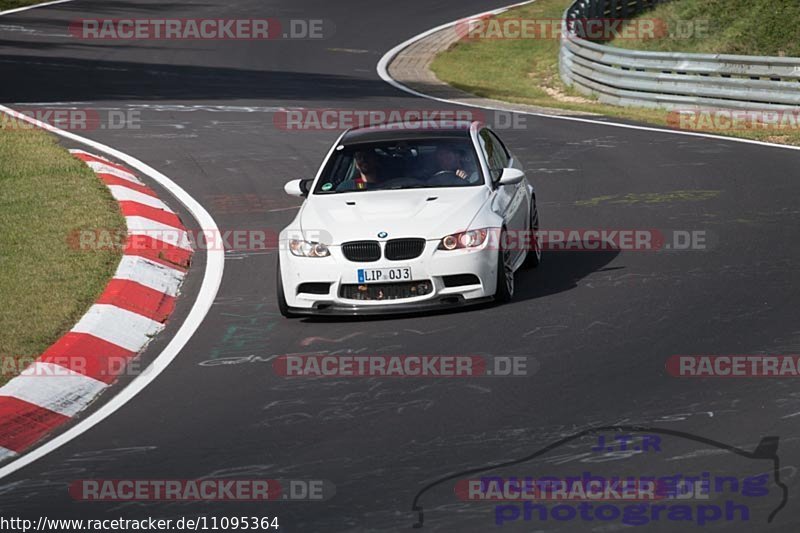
428 213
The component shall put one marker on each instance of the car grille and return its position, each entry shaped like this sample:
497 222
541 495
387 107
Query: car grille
362 251
385 291
401 249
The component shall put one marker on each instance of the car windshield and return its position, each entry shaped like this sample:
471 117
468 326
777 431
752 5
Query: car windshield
401 165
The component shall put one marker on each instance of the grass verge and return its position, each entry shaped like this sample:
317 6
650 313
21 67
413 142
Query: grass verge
748 27
526 71
46 284
11 4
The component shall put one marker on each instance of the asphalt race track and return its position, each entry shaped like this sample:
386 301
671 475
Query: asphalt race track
597 327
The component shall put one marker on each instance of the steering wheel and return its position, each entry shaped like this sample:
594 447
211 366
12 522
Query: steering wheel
444 172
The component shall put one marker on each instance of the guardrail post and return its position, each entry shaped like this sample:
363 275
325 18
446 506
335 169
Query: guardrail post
601 8
588 9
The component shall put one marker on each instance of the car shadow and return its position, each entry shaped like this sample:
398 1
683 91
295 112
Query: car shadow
559 271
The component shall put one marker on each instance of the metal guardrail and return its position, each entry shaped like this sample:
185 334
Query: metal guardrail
670 79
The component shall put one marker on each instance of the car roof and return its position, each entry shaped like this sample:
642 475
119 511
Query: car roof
409 130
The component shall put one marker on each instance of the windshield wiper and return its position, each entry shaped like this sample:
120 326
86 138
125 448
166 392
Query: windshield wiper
399 187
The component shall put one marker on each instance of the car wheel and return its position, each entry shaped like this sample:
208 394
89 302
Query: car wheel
505 275
282 306
534 257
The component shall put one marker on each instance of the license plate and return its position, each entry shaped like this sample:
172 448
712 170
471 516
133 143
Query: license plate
384 275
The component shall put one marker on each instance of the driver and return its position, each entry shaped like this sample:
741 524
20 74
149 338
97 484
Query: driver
449 160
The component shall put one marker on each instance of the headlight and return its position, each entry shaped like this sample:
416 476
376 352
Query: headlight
467 239
308 249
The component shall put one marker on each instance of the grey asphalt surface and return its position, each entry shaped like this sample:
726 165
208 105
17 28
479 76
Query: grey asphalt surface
597 326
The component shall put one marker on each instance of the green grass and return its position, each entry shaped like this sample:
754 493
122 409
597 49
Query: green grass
46 284
11 4
514 70
748 27
526 71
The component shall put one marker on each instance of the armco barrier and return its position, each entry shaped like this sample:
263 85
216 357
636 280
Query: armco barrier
670 79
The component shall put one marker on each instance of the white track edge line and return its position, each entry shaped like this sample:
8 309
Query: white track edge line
26 8
383 72
212 278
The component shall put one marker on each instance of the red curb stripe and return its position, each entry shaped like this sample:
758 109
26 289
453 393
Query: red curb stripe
135 209
138 298
110 179
87 157
88 355
23 423
158 251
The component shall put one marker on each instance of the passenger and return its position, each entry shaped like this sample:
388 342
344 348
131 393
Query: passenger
369 171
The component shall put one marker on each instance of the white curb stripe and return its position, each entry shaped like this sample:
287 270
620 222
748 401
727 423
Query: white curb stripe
5 453
158 231
124 194
124 328
107 169
150 274
54 388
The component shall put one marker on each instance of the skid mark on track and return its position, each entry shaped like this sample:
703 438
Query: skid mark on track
377 400
246 331
377 335
651 198
308 341
546 331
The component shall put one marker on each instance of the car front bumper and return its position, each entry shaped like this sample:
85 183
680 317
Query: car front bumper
432 265
328 309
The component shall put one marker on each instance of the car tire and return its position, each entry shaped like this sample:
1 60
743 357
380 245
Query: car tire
282 305
533 260
505 276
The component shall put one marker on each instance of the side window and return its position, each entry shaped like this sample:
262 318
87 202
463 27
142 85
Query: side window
500 149
495 152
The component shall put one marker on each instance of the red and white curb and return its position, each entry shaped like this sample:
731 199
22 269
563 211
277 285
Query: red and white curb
132 309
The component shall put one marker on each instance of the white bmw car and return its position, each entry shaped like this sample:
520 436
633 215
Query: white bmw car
402 218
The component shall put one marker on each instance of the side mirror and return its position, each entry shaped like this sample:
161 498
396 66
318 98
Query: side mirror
510 176
297 187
